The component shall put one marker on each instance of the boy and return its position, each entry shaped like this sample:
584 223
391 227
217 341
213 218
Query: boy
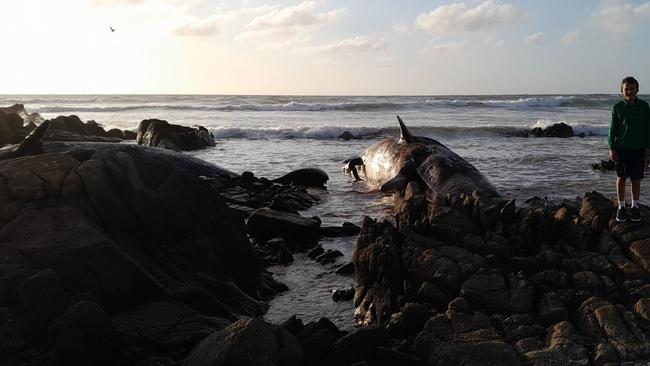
629 136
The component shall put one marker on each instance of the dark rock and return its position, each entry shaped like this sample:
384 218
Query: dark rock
266 223
603 321
359 345
413 316
551 309
563 348
246 342
343 294
347 229
604 166
158 133
82 336
639 252
496 293
346 269
317 339
139 225
116 133
61 135
318 250
293 325
642 308
19 109
378 272
129 135
430 294
74 125
307 177
10 125
164 328
555 130
439 344
43 297
447 267
389 357
347 136
450 225
329 256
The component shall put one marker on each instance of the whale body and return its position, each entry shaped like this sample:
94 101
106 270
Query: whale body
390 164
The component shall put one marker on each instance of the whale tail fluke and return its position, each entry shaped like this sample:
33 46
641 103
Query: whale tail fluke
405 135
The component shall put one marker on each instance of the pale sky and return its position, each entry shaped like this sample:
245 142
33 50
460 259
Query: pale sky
325 47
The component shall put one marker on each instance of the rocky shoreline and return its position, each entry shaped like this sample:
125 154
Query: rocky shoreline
120 254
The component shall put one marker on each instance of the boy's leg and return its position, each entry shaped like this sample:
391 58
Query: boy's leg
620 190
636 189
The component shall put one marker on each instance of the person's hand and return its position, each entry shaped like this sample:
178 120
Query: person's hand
612 155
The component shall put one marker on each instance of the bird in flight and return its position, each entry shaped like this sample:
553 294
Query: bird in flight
112 30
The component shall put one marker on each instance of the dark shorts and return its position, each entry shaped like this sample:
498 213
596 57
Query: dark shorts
630 163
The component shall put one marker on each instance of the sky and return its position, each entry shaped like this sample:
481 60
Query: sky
322 47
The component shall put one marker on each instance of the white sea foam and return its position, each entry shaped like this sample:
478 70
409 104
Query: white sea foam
314 133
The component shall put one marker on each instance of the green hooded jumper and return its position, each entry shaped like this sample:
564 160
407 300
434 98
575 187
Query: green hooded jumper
630 127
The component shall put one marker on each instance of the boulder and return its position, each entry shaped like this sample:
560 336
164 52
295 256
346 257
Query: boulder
555 130
378 272
308 177
162 328
82 336
10 125
347 136
496 293
266 223
159 133
128 211
43 296
246 342
19 109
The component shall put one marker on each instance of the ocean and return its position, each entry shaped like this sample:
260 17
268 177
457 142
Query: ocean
272 135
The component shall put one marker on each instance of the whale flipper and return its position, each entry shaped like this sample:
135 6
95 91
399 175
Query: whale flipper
407 174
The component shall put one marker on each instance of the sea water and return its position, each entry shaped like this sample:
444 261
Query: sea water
272 135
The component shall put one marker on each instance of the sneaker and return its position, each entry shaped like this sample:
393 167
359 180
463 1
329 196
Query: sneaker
635 214
621 214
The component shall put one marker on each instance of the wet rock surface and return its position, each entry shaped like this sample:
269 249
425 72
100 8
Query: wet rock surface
494 283
16 123
117 254
159 133
555 130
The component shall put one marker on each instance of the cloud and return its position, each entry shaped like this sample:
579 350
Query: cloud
135 2
400 28
570 38
289 26
447 46
290 19
201 28
620 16
500 43
461 18
116 2
356 44
535 38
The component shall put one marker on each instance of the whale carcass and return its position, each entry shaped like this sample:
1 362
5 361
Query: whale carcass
392 163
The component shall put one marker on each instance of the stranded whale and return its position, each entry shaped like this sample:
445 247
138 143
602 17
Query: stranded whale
391 163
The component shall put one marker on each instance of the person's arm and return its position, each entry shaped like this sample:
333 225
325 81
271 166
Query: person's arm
611 136
647 131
